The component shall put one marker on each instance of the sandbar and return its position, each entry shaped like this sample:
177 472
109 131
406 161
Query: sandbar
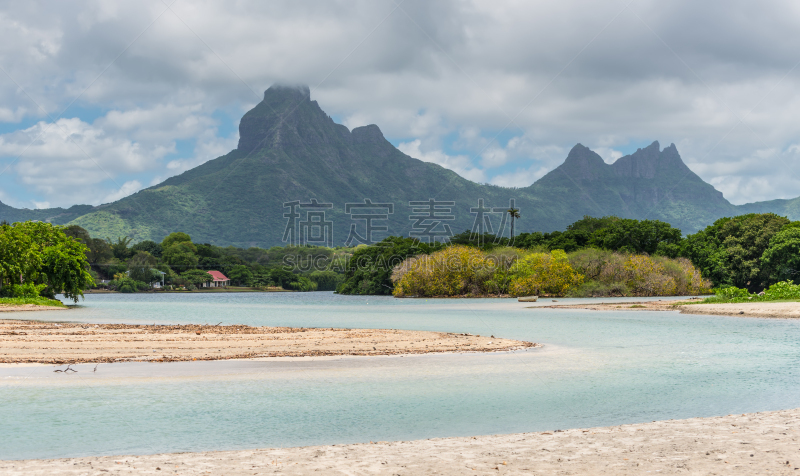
785 310
64 343
747 444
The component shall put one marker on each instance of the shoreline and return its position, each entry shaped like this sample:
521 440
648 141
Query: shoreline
29 307
33 342
764 309
754 443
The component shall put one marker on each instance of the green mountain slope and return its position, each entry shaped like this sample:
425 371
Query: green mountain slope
290 150
58 216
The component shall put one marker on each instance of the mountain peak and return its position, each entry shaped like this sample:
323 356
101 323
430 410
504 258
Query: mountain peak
367 134
582 163
298 92
283 104
650 162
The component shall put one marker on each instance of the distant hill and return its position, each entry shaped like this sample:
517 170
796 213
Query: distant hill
290 150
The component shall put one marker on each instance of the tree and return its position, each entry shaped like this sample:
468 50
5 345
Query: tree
326 280
173 238
79 233
180 256
150 246
42 254
282 277
635 236
514 213
370 268
140 268
19 260
782 259
728 252
120 248
240 275
99 251
197 277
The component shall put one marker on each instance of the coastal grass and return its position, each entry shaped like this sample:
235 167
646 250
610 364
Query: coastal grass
37 301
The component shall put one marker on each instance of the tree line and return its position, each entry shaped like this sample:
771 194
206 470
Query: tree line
750 251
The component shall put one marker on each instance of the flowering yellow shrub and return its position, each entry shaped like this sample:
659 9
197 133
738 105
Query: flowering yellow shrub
610 273
646 277
687 277
452 271
544 273
460 270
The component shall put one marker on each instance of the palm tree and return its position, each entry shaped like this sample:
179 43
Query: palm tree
514 212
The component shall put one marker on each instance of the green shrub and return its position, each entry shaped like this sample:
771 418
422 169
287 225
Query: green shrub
782 290
38 301
731 293
302 284
326 280
24 290
599 289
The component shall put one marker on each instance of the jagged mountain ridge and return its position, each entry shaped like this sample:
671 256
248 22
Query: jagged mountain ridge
289 149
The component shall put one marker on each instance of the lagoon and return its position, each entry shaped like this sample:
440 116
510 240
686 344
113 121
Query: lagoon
596 369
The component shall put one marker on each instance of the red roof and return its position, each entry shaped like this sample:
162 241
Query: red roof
217 276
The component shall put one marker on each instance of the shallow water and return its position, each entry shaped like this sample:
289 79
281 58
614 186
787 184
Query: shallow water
597 368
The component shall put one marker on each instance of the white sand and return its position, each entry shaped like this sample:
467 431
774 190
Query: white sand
746 309
757 443
778 310
29 307
61 343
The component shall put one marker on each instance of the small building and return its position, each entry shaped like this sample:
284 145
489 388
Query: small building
219 280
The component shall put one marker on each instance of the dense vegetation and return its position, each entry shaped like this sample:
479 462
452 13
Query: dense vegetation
38 260
370 268
182 264
461 270
606 256
780 291
749 251
593 257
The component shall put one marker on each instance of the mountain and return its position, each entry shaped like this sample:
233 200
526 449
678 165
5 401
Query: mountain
291 151
59 216
650 183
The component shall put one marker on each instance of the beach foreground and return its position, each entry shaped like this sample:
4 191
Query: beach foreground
756 443
64 343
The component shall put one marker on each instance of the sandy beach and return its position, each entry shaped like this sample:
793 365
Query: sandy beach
785 310
60 343
755 443
29 307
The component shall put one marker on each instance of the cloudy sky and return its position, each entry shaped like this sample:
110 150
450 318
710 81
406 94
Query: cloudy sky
99 99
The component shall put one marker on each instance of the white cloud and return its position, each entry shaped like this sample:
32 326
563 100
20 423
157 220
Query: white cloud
608 154
459 164
65 159
126 189
452 76
7 115
520 177
493 157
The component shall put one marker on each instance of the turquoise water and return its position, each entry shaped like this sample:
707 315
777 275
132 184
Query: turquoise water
597 368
